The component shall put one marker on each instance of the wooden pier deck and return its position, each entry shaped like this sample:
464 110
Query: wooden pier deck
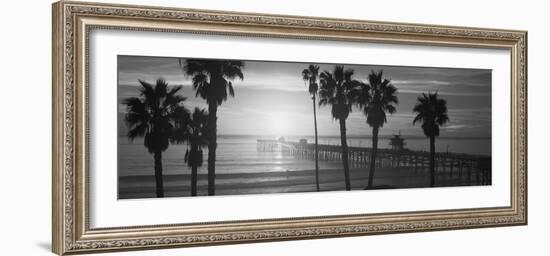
472 168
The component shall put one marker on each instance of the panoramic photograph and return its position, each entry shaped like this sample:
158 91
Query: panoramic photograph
205 127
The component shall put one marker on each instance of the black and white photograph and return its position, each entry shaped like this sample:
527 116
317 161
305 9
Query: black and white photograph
204 127
275 127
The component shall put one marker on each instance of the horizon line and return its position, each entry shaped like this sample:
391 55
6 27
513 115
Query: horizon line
352 136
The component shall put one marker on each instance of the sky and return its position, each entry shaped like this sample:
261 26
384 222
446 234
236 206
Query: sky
273 100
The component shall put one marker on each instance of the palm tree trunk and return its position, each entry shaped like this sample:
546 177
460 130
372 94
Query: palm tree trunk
194 180
316 144
158 174
432 161
373 155
212 144
343 141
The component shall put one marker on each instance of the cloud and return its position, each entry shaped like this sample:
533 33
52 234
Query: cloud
416 82
277 87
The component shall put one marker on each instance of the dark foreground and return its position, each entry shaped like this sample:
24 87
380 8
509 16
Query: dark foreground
133 187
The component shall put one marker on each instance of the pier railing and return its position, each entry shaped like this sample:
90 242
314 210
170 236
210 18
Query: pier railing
453 165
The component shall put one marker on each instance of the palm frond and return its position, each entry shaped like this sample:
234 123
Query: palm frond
310 75
230 88
338 90
194 66
137 130
431 112
172 98
377 99
232 69
147 90
155 114
212 78
338 73
161 88
418 118
306 75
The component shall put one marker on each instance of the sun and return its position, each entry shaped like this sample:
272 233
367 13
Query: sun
277 124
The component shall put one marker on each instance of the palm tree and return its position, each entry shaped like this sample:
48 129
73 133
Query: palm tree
197 140
310 75
212 82
432 113
191 129
376 99
152 116
338 90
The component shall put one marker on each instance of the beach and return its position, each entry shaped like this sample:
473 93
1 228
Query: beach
242 169
286 182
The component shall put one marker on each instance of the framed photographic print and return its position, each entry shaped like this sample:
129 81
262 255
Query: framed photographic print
178 127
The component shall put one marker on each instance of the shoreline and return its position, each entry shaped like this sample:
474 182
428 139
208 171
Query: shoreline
178 185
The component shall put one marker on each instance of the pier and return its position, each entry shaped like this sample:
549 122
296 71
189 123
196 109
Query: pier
470 169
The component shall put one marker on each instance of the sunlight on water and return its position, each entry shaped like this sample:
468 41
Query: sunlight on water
238 154
278 168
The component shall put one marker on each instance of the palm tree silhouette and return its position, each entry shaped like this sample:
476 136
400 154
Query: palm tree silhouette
191 129
376 99
152 116
310 75
338 90
432 113
197 140
211 81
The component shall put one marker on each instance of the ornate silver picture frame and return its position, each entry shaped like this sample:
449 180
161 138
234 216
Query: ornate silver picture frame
73 204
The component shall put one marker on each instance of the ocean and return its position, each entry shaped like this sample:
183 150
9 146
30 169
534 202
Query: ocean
238 154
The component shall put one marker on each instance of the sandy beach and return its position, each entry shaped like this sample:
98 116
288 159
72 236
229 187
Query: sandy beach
285 182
